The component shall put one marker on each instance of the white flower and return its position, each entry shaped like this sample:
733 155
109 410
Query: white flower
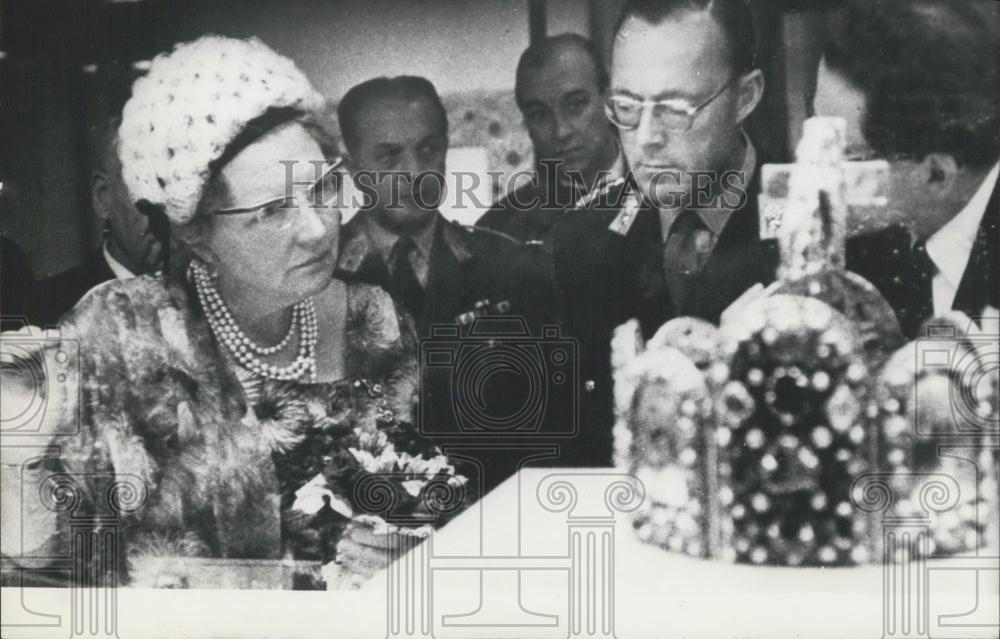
437 464
387 460
414 486
309 499
372 441
366 459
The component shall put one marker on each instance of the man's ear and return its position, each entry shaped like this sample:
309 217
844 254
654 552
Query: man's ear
750 90
100 195
939 171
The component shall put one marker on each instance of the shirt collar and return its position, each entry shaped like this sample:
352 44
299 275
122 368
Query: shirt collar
951 246
119 269
716 217
384 240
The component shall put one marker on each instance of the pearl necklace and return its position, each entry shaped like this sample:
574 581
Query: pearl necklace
247 352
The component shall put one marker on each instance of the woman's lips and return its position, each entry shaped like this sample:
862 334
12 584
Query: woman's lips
322 258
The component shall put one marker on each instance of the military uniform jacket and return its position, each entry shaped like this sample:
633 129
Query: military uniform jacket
468 266
609 256
608 268
529 213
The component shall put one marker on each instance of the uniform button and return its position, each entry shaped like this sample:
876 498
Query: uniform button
590 385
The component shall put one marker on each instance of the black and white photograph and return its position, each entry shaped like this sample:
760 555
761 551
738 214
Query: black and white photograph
465 319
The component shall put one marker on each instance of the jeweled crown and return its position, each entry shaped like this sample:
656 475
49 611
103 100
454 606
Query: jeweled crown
793 432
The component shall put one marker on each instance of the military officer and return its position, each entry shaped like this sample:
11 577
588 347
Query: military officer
395 131
680 234
452 279
560 89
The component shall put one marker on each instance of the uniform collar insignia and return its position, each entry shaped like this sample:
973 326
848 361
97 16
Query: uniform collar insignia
454 235
600 190
357 248
626 216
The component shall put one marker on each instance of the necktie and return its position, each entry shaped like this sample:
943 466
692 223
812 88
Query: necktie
922 308
406 286
684 255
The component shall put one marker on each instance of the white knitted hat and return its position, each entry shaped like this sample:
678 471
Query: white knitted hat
190 105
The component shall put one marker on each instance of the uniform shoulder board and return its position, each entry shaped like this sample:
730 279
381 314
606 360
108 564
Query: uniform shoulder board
601 189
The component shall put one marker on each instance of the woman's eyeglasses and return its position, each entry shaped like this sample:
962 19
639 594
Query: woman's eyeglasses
674 114
279 213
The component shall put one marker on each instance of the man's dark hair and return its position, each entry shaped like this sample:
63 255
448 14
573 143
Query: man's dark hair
362 95
103 145
541 52
736 17
929 71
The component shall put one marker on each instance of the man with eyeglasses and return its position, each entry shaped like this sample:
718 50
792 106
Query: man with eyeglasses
680 235
560 89
917 82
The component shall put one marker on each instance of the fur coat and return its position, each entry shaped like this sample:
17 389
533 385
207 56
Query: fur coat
163 447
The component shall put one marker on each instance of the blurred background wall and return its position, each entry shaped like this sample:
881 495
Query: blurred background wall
67 64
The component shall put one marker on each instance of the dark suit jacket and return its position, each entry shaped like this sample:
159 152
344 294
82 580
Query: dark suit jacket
468 265
885 259
605 279
17 287
57 294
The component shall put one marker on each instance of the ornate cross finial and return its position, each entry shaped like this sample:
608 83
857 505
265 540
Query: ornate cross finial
806 206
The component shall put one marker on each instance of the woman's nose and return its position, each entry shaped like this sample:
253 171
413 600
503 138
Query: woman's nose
311 225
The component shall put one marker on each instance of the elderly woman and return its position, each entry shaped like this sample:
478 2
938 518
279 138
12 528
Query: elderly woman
221 397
